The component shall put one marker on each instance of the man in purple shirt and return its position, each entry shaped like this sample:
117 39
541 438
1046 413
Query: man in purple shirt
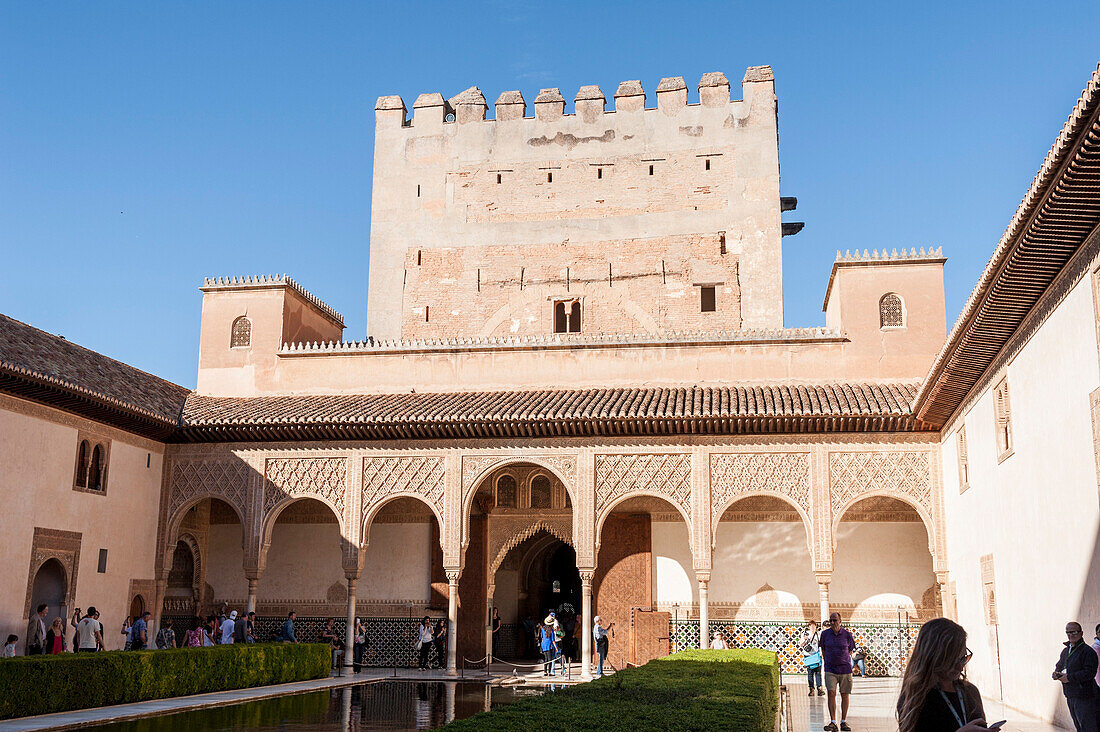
837 645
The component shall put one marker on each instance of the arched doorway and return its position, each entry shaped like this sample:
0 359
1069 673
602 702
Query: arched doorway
883 582
645 576
49 587
304 569
402 578
536 577
213 530
137 606
519 504
763 570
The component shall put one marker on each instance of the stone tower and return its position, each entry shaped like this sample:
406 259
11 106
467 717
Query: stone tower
641 219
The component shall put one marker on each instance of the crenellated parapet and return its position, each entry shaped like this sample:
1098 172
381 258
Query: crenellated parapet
893 255
589 103
255 282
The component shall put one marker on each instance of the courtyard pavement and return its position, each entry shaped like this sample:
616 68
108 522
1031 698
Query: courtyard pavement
872 708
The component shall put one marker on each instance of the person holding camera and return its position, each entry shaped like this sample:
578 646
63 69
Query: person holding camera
599 633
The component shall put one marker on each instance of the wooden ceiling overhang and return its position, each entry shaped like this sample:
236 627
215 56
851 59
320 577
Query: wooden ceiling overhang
1056 217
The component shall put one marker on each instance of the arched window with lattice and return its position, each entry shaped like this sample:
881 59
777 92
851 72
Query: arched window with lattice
81 480
891 311
506 491
542 494
242 333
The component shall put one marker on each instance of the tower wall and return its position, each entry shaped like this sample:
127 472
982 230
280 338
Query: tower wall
449 178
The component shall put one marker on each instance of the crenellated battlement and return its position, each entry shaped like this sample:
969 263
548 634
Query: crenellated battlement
431 109
255 282
874 256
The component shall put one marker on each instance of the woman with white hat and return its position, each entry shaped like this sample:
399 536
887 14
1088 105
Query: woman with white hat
548 644
718 643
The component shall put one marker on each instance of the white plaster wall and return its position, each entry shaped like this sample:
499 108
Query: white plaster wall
225 563
881 564
397 563
750 554
304 561
673 571
37 461
1036 512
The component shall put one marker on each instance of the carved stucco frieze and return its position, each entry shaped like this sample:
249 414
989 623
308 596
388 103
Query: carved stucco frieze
905 474
58 544
508 532
664 474
307 477
475 466
225 478
783 473
387 476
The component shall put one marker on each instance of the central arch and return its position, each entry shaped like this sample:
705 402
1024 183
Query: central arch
512 502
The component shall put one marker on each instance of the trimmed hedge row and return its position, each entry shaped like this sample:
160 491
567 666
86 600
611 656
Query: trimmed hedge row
44 684
690 690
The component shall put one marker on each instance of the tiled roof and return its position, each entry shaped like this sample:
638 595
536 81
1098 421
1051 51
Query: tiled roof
1056 216
546 413
49 369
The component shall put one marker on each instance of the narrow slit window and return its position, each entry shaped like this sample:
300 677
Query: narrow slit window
599 172
419 257
425 313
706 163
102 567
498 179
549 177
418 191
706 300
651 170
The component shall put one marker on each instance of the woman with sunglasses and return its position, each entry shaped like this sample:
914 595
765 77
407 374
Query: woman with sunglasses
935 695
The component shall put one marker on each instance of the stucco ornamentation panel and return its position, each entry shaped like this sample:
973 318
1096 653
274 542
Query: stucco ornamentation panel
902 474
386 476
226 479
508 532
783 473
288 478
64 546
663 474
474 466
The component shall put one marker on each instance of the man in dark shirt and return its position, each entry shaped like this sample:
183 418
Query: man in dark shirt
1076 669
837 645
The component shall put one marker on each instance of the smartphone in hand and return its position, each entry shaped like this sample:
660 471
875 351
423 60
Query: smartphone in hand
998 725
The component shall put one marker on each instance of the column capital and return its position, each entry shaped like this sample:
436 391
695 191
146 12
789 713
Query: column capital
703 576
823 578
587 575
453 575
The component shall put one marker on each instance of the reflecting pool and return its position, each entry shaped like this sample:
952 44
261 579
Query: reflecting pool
380 705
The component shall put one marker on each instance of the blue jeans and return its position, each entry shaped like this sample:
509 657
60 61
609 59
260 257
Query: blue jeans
861 665
602 655
811 674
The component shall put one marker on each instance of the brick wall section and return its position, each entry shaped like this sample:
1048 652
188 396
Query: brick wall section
471 595
623 576
632 285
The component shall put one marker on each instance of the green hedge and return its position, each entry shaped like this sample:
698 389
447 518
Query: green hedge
691 690
44 684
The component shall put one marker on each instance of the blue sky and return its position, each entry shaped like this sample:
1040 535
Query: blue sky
146 145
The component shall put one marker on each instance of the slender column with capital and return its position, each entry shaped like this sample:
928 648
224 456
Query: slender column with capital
349 634
253 584
452 620
823 579
704 610
586 624
490 590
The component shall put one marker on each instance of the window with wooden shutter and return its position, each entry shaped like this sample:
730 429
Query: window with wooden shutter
1002 411
964 462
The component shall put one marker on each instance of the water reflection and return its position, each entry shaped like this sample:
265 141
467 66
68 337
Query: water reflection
384 705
